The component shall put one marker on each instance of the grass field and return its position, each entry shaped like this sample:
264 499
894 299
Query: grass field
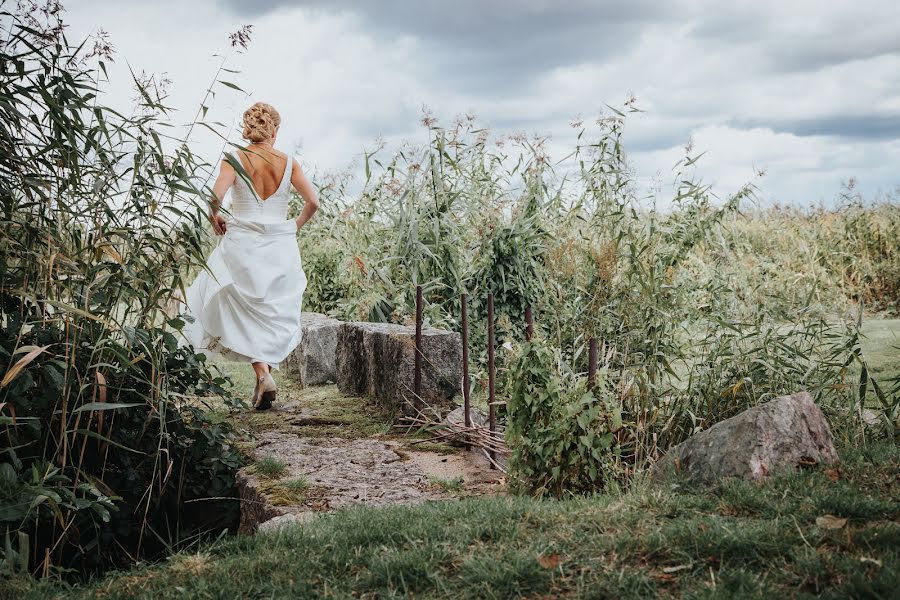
881 347
734 540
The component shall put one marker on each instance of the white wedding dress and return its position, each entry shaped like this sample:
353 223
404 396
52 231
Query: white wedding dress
246 306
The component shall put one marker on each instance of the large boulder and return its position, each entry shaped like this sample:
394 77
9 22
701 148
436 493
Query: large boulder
313 361
377 360
351 357
777 436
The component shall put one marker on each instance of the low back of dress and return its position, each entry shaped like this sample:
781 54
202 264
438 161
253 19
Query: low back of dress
248 206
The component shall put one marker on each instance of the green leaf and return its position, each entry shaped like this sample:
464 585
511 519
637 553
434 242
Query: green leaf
231 85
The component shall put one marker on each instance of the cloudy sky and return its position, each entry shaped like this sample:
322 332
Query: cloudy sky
807 91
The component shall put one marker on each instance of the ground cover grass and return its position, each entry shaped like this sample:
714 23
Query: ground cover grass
829 532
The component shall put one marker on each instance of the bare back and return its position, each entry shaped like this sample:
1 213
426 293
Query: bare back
266 196
265 166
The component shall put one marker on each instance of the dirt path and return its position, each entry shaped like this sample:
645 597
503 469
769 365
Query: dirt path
318 450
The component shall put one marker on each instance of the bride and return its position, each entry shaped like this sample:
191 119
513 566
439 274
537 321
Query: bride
246 305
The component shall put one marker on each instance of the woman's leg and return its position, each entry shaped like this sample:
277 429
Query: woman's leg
264 394
260 368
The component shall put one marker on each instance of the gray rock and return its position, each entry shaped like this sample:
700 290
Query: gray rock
476 418
255 508
286 520
777 436
313 361
377 360
351 360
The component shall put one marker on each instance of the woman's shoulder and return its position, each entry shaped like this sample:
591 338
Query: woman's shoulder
249 155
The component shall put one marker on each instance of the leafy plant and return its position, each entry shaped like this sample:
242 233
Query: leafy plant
108 455
562 435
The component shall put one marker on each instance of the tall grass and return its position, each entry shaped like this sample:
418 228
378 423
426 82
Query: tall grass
103 461
702 309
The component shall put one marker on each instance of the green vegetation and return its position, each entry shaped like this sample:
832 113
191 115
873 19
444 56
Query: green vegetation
702 309
560 434
452 486
298 484
105 458
786 538
270 467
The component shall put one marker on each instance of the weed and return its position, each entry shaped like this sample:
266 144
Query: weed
270 467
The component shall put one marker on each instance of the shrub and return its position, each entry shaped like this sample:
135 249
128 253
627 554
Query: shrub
105 461
107 455
562 435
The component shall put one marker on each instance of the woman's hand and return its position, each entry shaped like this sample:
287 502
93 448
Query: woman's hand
219 224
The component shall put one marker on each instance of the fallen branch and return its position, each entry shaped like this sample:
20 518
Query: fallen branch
489 442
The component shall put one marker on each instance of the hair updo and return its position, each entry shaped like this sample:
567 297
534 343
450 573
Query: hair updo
260 122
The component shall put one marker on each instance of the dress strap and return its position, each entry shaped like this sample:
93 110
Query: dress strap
286 178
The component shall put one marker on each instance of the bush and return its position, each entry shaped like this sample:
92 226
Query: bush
107 455
563 436
109 461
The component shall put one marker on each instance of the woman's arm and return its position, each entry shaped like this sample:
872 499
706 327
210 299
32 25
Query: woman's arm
305 188
223 182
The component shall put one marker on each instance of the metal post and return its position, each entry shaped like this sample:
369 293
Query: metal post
492 410
464 317
529 323
592 363
417 378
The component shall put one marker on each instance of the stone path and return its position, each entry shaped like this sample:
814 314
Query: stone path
320 450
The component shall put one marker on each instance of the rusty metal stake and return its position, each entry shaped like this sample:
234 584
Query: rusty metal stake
529 324
417 378
492 410
592 363
464 317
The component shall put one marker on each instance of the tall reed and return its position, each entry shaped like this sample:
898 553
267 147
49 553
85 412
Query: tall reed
105 459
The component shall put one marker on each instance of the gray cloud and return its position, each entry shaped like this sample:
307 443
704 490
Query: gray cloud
496 48
473 43
815 41
476 20
853 127
806 89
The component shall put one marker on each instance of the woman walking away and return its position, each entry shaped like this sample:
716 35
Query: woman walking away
246 305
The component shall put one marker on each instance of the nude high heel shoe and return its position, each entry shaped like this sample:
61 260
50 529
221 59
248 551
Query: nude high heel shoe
265 391
255 397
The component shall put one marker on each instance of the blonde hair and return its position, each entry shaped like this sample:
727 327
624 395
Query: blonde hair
260 122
